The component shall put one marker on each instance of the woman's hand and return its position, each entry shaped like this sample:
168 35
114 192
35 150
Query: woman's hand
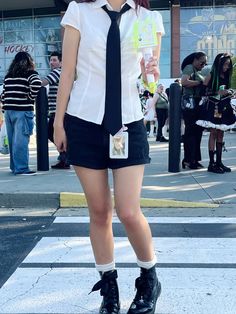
60 138
223 92
152 67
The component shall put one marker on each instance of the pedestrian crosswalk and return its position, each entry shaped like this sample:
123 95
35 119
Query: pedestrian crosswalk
196 266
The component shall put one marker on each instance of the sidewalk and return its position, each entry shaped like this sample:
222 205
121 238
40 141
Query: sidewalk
54 270
60 188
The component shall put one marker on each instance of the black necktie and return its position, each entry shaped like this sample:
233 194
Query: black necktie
112 117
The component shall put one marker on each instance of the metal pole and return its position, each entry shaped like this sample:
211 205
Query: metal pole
42 130
174 128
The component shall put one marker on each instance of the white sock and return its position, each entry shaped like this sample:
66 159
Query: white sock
151 130
105 267
147 265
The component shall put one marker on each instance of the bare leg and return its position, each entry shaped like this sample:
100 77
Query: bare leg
127 189
98 195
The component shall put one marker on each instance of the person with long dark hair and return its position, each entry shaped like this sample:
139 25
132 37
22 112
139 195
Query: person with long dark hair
85 127
192 80
217 113
20 88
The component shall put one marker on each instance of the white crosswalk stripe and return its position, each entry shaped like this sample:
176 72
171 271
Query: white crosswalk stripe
198 274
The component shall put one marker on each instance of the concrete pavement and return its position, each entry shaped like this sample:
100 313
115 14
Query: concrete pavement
188 188
193 221
55 271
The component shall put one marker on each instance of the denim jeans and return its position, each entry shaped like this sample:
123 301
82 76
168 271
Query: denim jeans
19 126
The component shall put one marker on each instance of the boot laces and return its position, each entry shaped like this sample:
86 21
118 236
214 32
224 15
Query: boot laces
108 289
144 286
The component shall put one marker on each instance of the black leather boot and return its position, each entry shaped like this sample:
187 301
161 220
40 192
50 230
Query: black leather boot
211 156
148 290
219 147
213 167
225 169
109 290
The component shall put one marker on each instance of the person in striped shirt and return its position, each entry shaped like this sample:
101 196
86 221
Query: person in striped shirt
52 80
20 88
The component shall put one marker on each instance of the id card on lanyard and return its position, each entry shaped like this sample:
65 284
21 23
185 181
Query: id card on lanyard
118 146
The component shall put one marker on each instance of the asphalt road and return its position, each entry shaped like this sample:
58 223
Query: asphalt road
20 234
18 237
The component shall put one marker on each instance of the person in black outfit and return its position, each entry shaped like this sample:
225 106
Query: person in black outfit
192 81
216 112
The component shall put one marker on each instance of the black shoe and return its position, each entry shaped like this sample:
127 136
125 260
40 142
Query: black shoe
109 290
225 169
158 139
28 173
163 139
148 290
193 165
60 165
184 164
214 168
199 165
190 165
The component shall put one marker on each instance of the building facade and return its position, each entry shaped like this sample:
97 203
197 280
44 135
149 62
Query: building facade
34 26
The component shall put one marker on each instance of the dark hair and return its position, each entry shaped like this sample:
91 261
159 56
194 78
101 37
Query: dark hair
177 80
146 93
141 3
21 64
190 58
216 70
56 54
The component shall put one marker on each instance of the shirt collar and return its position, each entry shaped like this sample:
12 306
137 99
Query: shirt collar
100 3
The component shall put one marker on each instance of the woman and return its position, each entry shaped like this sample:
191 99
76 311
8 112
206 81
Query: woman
217 113
20 89
149 113
161 103
81 129
192 80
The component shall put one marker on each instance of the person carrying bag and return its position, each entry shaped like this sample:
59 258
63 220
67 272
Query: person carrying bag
192 81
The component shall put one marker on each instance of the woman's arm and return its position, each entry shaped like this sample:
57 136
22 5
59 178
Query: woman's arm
34 86
154 100
187 82
152 66
207 79
70 48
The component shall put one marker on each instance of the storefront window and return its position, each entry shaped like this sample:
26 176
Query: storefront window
165 46
47 32
2 67
212 30
37 35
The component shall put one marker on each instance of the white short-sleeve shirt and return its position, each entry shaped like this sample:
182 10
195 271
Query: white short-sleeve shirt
87 99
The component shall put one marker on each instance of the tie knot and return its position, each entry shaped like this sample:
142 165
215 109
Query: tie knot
114 15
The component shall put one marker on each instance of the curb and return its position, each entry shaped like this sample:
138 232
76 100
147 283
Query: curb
73 200
78 200
30 200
